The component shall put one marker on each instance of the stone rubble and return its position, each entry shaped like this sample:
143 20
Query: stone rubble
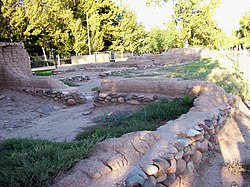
172 164
78 78
65 97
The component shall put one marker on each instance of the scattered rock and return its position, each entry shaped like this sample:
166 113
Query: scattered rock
187 151
133 102
169 180
168 156
87 112
172 150
176 183
159 185
187 158
102 95
203 146
71 102
2 97
150 169
181 143
192 132
135 180
197 157
172 168
162 164
190 166
160 176
180 166
214 138
150 182
179 155
121 100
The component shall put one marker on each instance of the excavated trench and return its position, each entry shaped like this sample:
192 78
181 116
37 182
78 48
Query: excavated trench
155 158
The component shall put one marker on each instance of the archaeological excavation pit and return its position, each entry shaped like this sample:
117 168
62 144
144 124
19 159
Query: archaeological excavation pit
154 157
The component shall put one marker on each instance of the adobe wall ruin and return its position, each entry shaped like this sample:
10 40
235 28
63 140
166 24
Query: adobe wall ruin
172 56
156 158
15 73
15 70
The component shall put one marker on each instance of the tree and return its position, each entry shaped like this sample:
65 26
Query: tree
156 41
128 33
193 23
62 25
244 31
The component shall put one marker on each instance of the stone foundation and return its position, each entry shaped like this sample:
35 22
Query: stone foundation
159 157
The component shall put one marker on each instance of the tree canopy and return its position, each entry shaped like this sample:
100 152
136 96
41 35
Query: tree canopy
62 25
244 31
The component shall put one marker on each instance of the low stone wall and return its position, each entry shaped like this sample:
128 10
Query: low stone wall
65 97
156 158
172 56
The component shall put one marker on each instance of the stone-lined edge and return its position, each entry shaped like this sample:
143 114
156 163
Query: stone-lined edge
64 97
182 156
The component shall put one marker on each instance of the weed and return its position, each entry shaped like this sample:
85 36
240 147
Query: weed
71 83
95 89
46 72
237 166
148 118
28 162
218 72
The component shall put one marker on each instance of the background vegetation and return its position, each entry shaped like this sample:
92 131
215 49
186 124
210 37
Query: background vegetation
64 25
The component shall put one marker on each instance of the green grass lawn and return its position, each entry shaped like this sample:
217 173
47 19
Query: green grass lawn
222 73
28 162
46 72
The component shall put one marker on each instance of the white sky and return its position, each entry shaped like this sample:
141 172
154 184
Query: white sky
227 15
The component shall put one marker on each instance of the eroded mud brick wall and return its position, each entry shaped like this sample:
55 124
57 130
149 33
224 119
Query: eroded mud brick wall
14 64
15 70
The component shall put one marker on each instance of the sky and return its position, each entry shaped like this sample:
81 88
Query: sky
227 15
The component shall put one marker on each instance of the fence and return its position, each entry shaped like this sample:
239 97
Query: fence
97 57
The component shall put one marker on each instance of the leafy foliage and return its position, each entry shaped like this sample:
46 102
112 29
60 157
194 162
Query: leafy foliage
244 32
62 25
193 24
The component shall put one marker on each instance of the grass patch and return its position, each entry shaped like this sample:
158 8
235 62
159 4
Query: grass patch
95 89
71 83
221 72
150 118
46 72
28 162
197 70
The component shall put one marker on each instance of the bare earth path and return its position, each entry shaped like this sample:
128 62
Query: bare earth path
33 117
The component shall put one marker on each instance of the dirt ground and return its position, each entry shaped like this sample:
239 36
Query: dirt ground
27 116
34 117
